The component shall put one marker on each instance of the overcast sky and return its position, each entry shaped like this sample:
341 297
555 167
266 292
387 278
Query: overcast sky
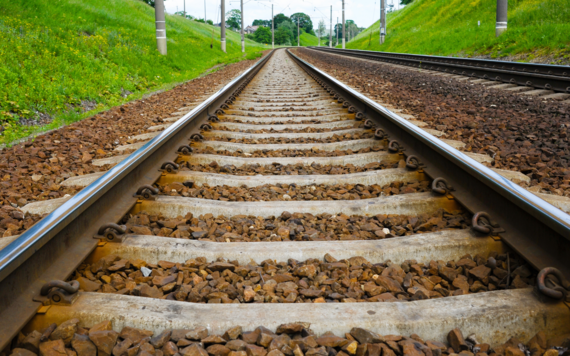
363 12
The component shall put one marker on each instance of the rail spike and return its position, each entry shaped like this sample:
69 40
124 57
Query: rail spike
368 124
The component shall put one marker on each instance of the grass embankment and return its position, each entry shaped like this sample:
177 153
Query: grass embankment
61 57
308 40
445 27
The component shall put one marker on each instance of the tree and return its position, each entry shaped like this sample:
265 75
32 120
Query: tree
262 35
289 28
282 37
233 19
337 30
149 2
406 2
322 29
304 21
210 22
351 29
266 23
279 18
181 13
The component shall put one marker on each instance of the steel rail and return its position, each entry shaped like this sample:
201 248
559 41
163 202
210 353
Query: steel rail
54 247
534 228
543 76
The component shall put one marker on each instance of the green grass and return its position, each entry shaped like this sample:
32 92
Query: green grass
308 40
58 54
446 27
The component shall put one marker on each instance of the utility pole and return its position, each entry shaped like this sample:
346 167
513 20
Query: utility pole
184 8
382 20
319 37
336 31
160 26
330 34
242 37
272 28
298 36
223 26
205 21
343 27
501 26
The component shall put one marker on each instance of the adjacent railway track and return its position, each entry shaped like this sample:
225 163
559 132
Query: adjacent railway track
287 186
548 77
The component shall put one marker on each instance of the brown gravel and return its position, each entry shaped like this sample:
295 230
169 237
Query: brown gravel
305 130
294 227
334 138
522 133
13 222
277 169
270 192
311 281
34 170
293 339
315 152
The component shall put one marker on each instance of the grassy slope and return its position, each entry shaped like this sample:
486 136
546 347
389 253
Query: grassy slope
308 40
444 27
56 54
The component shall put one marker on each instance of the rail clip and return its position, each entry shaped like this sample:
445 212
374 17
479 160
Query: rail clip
111 233
552 283
58 293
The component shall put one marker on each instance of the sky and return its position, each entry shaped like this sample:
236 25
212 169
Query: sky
363 12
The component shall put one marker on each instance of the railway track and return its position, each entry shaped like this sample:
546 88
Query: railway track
545 80
288 187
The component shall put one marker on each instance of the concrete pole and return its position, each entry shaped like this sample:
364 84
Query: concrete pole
502 8
160 26
272 28
319 37
205 11
330 34
223 26
382 20
343 27
184 8
336 31
298 34
242 36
